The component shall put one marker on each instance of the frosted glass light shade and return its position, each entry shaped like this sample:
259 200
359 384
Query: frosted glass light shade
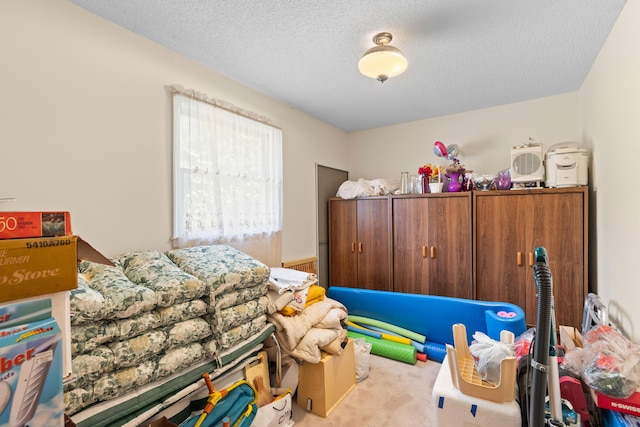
382 62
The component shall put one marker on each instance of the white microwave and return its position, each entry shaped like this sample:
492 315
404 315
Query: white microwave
527 163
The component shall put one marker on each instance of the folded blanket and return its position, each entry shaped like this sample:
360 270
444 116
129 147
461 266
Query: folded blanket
337 345
179 358
114 384
136 350
154 270
327 340
241 332
229 318
288 274
221 267
122 297
136 325
187 331
100 331
232 298
303 299
78 398
287 279
303 335
86 303
278 301
86 338
88 367
185 310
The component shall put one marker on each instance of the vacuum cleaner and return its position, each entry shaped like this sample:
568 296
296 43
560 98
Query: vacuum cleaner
545 376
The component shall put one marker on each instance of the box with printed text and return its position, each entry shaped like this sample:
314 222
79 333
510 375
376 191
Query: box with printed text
20 225
31 267
31 375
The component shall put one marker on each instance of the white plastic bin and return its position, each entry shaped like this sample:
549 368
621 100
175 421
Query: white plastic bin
452 408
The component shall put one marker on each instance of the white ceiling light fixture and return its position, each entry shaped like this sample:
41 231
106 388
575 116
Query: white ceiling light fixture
382 61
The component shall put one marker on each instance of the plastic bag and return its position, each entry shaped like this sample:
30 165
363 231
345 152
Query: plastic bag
276 414
609 362
523 342
362 351
488 354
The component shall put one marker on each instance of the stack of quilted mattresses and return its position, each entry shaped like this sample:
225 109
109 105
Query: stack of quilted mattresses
152 315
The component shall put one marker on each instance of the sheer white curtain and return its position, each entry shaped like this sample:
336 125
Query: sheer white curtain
227 179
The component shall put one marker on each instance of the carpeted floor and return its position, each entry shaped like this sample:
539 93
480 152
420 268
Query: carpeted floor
394 394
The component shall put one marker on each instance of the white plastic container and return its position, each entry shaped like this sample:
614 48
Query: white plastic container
452 408
566 165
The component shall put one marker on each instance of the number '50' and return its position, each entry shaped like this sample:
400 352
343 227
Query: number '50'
10 223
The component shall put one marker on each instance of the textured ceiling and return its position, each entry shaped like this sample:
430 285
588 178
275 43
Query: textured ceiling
463 54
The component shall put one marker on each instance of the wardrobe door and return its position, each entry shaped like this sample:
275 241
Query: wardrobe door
410 245
500 248
450 248
343 258
374 244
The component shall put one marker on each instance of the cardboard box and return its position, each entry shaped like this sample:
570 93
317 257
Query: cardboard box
323 385
630 405
31 375
42 307
570 337
32 267
20 225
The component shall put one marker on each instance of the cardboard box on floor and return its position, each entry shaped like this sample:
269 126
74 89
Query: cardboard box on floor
323 385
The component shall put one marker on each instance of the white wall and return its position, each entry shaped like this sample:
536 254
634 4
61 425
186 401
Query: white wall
485 137
85 126
610 101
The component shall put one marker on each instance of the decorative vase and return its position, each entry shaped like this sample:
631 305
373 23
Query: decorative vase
467 183
454 183
425 184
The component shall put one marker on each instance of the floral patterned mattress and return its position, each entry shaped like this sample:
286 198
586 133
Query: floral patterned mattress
153 314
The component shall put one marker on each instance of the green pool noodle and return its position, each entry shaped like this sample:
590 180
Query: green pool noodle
389 349
389 327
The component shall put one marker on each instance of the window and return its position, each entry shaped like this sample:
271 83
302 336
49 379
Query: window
227 178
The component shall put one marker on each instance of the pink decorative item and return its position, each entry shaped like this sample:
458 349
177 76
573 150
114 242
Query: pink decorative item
440 150
503 180
454 183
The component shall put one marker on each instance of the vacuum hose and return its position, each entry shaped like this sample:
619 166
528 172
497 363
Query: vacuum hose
540 362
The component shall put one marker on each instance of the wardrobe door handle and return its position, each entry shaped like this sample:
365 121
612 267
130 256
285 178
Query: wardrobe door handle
360 247
353 246
519 258
530 259
433 252
424 252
